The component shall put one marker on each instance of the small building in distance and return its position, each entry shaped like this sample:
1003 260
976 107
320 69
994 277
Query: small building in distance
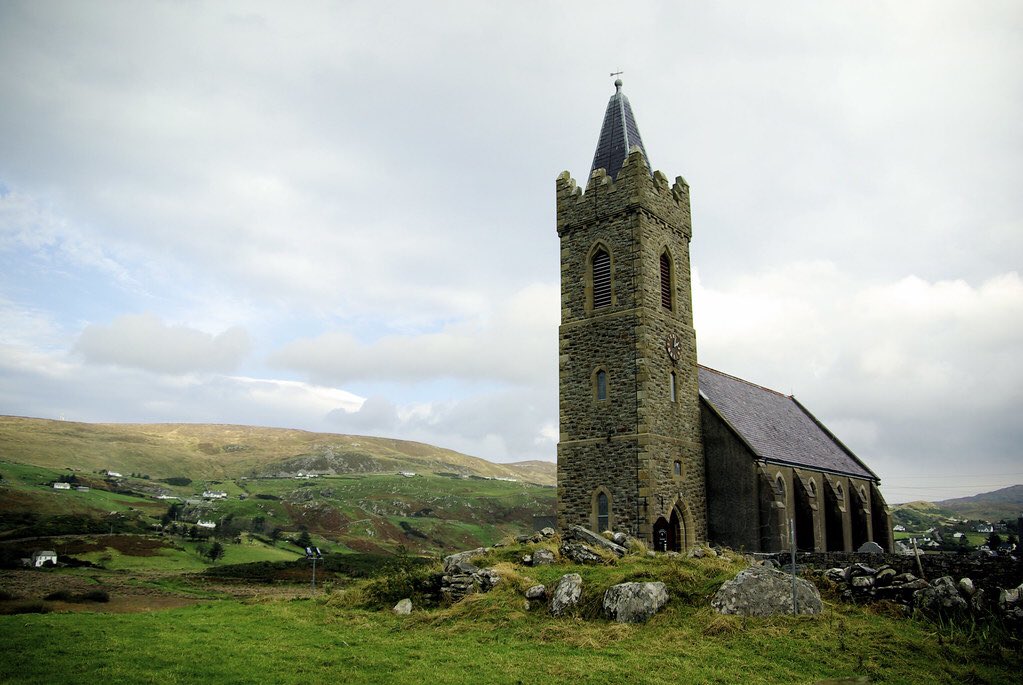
44 557
61 486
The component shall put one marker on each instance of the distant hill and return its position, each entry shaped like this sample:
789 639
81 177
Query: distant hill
1006 503
209 451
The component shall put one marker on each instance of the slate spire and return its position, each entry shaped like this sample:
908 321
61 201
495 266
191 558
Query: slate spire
618 135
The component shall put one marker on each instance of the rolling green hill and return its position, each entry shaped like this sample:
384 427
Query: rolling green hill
205 451
372 495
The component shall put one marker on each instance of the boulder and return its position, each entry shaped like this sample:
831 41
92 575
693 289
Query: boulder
543 557
453 560
403 607
580 553
764 591
941 600
590 538
870 548
547 532
966 587
566 593
634 602
835 575
536 592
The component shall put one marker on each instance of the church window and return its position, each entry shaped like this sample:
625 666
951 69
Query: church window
603 512
672 381
665 281
601 381
838 489
601 265
813 488
678 469
779 485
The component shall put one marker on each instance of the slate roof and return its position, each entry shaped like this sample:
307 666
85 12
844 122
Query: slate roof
618 135
776 427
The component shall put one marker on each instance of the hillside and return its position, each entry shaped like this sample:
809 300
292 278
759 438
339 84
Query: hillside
205 451
1006 503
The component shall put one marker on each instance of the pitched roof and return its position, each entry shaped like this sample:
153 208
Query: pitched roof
777 427
618 135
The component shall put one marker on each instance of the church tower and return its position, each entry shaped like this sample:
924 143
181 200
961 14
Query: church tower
630 456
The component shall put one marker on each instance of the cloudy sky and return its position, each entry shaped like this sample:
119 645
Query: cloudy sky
340 216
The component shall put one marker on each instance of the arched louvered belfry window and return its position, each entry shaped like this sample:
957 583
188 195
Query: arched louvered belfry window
666 281
601 266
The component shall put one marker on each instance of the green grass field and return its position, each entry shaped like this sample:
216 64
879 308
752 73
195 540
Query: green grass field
311 641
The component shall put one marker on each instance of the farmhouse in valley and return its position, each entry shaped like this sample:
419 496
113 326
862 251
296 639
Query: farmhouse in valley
651 442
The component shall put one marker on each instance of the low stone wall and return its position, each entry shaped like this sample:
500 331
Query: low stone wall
990 572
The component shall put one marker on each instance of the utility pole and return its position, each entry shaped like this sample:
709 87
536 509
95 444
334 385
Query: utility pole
792 544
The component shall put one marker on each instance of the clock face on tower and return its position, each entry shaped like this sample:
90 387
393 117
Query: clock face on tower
673 346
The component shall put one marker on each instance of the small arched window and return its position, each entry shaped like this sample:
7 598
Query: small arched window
678 469
838 490
665 281
779 485
672 380
813 488
601 267
603 512
601 381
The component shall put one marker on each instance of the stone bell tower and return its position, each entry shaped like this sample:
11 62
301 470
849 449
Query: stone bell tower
630 456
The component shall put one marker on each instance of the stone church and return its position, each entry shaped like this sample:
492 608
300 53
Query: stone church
651 442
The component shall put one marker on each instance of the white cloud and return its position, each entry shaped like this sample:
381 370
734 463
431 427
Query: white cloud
516 343
912 375
143 341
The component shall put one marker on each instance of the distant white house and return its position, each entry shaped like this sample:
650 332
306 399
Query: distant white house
62 486
114 474
407 474
899 528
167 497
985 528
214 494
205 524
957 535
41 557
82 488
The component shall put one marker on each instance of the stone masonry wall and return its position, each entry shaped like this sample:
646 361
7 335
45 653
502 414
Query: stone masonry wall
629 442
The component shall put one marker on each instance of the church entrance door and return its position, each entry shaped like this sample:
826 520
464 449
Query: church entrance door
669 534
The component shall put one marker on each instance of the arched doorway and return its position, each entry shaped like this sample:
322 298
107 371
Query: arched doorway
834 523
858 518
674 533
805 538
880 520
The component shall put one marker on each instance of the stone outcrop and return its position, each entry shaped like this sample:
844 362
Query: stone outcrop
566 593
463 578
403 607
634 602
764 591
452 561
592 539
580 553
543 557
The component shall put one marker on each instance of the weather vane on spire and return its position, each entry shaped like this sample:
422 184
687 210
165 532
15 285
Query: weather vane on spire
618 81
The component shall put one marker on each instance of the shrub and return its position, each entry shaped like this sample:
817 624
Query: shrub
95 596
33 606
60 596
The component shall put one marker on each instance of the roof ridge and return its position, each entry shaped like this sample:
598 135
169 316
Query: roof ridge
743 380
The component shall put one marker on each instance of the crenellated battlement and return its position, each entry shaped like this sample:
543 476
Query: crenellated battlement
635 189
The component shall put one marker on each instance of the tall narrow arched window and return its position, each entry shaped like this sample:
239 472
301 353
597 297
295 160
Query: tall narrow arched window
673 381
601 266
603 512
601 381
665 281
